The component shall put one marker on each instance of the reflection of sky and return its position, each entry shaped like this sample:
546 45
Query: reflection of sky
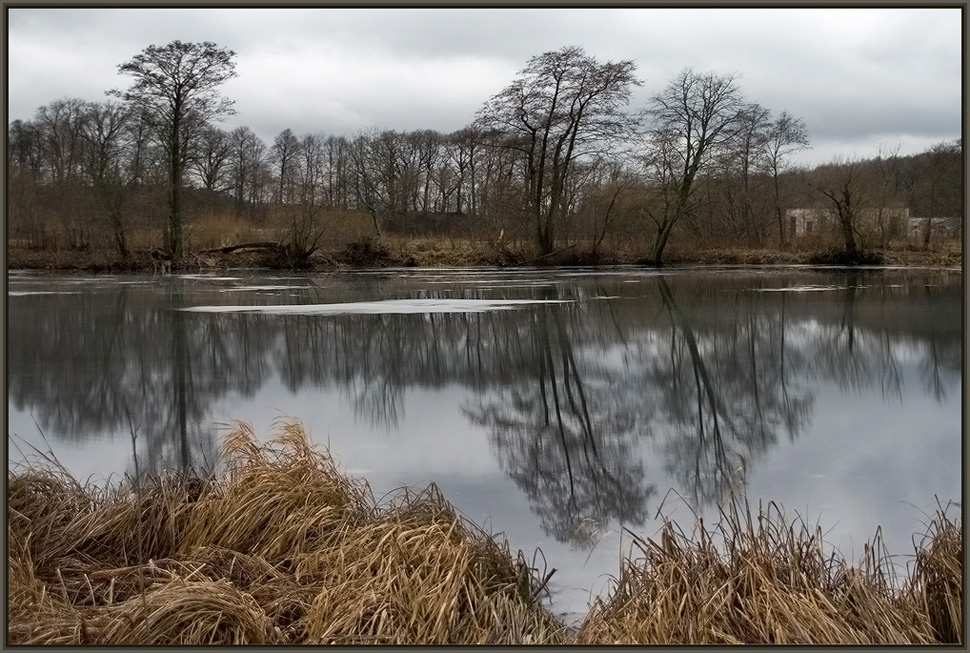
862 460
867 463
96 459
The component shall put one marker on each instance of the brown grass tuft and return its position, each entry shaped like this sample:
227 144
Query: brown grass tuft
280 549
936 582
760 579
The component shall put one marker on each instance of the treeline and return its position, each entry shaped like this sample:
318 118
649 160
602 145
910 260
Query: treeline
557 159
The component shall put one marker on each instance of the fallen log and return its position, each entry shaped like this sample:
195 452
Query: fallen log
235 248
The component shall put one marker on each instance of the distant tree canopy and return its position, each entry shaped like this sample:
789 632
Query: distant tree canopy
554 160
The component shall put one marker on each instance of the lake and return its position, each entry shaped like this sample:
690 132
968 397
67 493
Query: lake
558 407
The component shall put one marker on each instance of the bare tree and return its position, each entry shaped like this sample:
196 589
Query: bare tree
283 154
304 229
61 125
212 158
175 88
24 191
943 181
374 178
563 105
248 165
842 185
693 118
386 175
338 171
885 191
607 198
427 145
465 144
104 135
786 135
747 155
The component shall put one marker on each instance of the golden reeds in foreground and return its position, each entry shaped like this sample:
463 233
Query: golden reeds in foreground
762 579
284 549
281 549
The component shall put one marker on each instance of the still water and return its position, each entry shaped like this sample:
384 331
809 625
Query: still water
557 407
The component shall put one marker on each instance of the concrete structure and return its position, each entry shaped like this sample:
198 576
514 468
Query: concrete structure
939 228
806 222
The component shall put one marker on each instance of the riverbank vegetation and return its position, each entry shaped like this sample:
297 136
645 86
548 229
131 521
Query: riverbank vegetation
147 184
280 547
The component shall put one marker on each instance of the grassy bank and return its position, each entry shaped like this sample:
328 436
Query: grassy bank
429 253
281 548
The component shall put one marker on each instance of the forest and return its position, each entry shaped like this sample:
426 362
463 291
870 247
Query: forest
556 168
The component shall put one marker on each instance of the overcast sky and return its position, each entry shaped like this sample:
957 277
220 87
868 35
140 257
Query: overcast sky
861 79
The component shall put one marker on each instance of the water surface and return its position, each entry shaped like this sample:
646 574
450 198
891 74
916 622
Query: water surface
558 407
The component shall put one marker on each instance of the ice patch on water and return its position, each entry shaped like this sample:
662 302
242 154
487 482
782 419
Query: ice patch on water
256 288
23 293
811 288
206 277
385 307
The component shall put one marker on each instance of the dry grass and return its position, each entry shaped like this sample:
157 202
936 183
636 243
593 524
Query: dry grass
281 548
219 227
764 580
935 587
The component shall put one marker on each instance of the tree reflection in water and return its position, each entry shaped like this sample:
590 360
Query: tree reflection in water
696 375
565 441
724 397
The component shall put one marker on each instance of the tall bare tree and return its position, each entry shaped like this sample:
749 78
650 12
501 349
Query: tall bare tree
176 89
693 118
563 105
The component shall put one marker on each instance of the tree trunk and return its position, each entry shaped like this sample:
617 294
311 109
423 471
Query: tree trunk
778 216
173 245
845 221
926 233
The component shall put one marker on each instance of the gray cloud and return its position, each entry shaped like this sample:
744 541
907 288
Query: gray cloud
857 77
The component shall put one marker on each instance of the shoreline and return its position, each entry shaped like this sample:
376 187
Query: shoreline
432 255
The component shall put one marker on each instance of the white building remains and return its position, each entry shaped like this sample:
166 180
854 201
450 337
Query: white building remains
895 222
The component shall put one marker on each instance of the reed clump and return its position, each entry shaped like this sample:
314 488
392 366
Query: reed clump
935 586
762 579
282 548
